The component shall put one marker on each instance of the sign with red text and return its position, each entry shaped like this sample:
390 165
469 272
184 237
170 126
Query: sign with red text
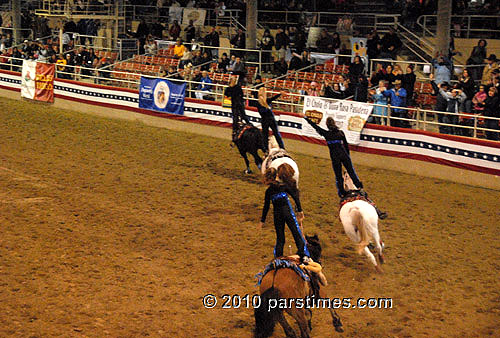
37 81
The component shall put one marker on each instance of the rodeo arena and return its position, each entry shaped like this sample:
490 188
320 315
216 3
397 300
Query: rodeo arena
250 168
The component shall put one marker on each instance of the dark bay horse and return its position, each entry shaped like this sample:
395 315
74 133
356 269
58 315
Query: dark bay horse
284 284
249 140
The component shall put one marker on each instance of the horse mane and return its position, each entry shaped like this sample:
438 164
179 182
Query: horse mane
314 247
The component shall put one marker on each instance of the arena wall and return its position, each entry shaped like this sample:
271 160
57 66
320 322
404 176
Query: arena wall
453 158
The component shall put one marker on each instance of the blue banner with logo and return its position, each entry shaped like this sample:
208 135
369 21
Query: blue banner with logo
162 95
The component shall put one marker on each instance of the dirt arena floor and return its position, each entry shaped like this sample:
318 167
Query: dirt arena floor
111 228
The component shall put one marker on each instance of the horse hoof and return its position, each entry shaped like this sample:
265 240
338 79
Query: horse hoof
248 171
381 258
379 269
339 329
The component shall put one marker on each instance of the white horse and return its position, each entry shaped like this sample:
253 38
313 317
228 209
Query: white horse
360 221
277 157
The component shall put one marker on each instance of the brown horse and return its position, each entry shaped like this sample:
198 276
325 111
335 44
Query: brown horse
284 284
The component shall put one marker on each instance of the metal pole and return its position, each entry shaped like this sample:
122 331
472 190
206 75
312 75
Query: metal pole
251 24
468 26
16 21
443 26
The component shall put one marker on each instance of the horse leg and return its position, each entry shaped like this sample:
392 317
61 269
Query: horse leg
244 155
286 327
258 160
300 317
378 245
337 323
372 259
309 318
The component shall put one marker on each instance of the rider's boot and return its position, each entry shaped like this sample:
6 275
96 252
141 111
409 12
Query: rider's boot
381 214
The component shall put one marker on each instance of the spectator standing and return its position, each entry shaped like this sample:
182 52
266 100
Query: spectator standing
282 43
442 65
476 59
190 32
356 68
379 113
491 109
397 96
175 30
468 86
61 66
454 98
300 40
373 47
212 39
239 41
325 42
491 65
441 101
266 46
409 80
391 44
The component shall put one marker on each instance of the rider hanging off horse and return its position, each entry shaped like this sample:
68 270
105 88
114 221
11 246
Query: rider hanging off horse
340 155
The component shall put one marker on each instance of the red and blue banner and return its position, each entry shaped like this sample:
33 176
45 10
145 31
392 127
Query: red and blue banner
162 95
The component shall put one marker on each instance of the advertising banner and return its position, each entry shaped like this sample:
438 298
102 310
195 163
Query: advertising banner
162 95
37 81
349 116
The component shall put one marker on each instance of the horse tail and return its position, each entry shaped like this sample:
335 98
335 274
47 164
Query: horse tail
265 316
359 221
285 174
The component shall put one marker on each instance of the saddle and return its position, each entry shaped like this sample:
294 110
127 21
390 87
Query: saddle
242 128
310 273
274 154
355 195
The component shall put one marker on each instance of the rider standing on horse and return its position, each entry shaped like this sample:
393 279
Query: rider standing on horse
283 213
267 117
339 153
237 105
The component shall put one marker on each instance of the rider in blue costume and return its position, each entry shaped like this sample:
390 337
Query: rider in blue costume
283 213
339 154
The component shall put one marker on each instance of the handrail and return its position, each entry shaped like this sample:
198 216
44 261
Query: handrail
417 44
414 120
467 18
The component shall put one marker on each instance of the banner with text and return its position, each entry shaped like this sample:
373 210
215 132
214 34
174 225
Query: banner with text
195 14
162 95
37 81
349 116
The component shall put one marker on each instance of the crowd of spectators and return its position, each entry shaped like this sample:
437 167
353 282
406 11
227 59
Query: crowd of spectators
83 59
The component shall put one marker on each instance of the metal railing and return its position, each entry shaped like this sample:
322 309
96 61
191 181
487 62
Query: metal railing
416 44
26 33
71 8
418 67
471 125
471 26
363 21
